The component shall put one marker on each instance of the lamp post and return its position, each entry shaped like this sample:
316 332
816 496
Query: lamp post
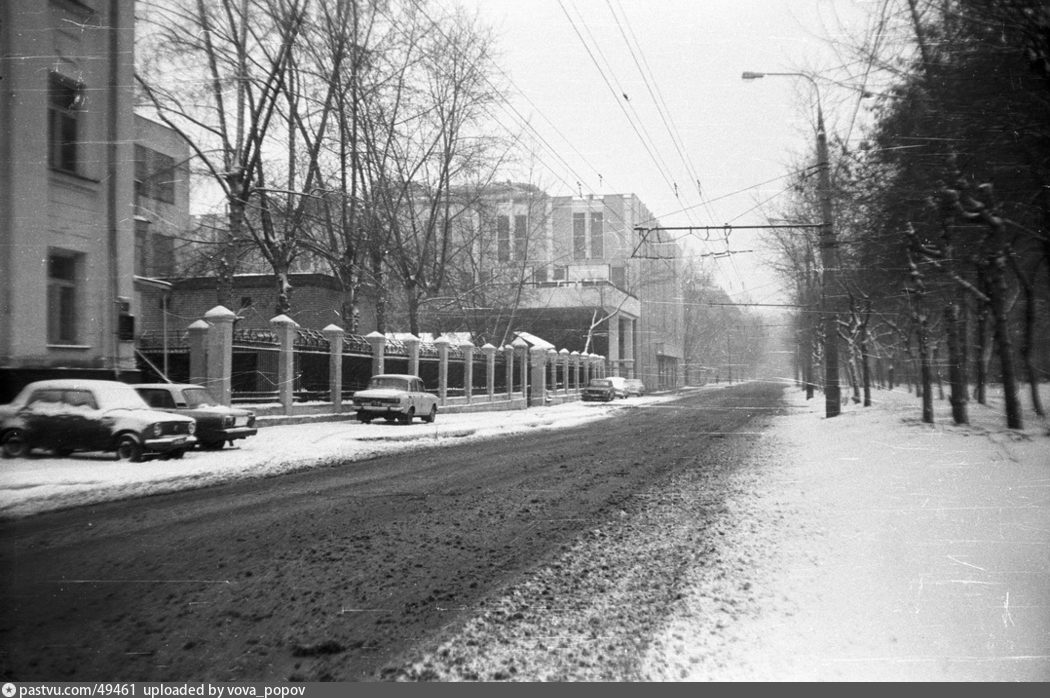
827 253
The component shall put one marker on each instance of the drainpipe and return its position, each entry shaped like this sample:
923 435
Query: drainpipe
110 326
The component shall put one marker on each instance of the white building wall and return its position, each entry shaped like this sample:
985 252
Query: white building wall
42 210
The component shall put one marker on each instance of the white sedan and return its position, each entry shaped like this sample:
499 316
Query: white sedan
395 397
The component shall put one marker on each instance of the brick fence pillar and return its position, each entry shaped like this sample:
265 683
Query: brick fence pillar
539 376
508 352
378 342
490 370
563 355
442 345
285 328
412 343
335 334
198 352
521 348
468 369
220 353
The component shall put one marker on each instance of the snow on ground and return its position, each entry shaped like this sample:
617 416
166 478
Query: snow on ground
878 548
41 483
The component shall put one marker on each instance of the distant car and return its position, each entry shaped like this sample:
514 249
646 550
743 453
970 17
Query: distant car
600 390
396 397
217 424
635 387
619 385
67 415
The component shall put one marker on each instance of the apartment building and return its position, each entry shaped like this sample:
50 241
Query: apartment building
67 296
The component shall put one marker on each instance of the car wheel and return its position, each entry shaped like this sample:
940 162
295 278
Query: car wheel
177 454
429 419
365 418
61 452
15 445
407 417
212 445
129 449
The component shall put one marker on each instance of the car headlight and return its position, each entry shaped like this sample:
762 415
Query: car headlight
193 427
157 429
227 420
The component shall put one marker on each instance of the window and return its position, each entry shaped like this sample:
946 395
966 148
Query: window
597 235
539 275
561 273
64 109
154 175
163 256
156 397
579 236
141 249
618 276
61 299
503 238
521 228
80 398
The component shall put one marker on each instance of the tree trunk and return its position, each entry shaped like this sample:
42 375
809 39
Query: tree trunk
1001 336
228 252
981 332
956 365
1028 342
379 277
926 372
865 364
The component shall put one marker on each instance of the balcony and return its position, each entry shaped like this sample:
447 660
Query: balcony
582 293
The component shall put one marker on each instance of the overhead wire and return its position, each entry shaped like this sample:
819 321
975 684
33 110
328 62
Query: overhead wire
661 167
653 87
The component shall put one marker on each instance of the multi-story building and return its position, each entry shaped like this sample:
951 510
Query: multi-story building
591 274
66 189
162 221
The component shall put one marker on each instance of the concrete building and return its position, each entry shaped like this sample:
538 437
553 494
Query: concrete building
162 221
66 189
591 274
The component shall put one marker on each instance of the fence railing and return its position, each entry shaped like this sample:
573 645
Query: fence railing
290 365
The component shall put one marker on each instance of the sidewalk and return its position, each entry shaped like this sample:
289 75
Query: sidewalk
873 547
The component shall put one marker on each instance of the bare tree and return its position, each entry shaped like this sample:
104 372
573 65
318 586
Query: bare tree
216 73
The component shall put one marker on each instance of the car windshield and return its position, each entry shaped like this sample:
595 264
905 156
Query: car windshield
388 382
199 397
601 383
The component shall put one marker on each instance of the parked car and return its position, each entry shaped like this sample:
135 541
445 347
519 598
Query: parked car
619 384
635 387
216 423
395 397
67 415
599 389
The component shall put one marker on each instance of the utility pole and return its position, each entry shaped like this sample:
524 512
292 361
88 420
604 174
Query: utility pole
832 404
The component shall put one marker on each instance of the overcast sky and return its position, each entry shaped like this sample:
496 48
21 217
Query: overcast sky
720 146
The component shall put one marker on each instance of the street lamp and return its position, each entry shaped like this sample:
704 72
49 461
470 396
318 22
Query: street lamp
827 253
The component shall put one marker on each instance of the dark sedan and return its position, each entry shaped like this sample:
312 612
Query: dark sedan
599 389
216 423
67 415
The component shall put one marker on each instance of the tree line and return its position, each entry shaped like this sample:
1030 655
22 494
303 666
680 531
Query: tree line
940 216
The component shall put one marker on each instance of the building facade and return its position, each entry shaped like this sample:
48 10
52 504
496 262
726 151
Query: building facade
591 274
66 189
